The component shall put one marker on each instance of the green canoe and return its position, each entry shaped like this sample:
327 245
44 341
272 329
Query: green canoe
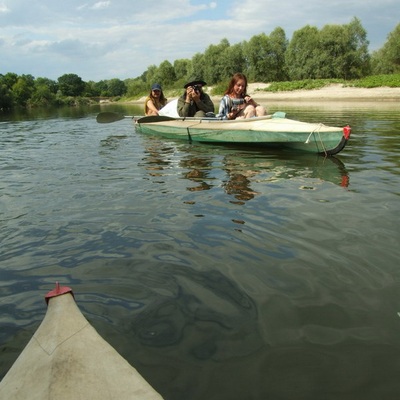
273 130
67 359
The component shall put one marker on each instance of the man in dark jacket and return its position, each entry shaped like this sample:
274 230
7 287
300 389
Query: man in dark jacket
194 102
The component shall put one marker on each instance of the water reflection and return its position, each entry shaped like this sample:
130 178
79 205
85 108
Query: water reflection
112 142
239 171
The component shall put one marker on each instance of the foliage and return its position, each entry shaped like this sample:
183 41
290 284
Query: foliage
182 68
388 80
306 84
136 87
71 85
335 51
22 89
387 59
265 56
213 62
116 87
220 88
6 97
42 96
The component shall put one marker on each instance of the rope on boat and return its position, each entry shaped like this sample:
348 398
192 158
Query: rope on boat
317 130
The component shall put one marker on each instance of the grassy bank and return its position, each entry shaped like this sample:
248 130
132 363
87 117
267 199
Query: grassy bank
373 81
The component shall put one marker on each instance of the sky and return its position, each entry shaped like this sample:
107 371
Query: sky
106 39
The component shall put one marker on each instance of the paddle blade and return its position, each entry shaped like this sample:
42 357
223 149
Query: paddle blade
107 117
155 118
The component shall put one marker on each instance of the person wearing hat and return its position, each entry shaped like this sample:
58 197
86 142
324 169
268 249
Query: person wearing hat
194 102
155 100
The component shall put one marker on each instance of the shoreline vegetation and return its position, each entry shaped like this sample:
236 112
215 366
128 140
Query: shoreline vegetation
332 92
375 88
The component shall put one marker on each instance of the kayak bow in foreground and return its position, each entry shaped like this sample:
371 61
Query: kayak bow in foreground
67 359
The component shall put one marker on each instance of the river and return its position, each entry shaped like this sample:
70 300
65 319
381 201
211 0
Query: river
218 272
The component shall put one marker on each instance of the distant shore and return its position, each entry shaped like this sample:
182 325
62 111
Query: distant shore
334 92
331 93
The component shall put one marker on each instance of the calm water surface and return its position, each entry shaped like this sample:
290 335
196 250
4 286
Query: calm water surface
218 272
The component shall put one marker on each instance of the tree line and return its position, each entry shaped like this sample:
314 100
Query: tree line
332 52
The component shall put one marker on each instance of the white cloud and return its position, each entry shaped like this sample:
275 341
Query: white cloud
101 5
98 40
3 8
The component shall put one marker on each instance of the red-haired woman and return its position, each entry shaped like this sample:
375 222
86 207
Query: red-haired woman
236 103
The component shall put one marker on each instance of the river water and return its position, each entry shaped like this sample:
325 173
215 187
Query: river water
218 272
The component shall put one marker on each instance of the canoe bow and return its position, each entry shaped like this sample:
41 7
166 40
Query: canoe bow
67 359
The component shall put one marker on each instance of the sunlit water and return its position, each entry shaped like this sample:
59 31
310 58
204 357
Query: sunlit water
218 272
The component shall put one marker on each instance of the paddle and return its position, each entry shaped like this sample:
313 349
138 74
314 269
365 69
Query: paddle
108 117
156 118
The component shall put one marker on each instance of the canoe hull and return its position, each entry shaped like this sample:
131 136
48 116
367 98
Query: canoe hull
263 131
67 359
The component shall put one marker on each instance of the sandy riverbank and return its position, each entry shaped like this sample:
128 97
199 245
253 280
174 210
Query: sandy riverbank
334 92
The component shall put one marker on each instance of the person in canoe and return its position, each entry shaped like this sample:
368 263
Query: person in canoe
236 103
194 102
155 100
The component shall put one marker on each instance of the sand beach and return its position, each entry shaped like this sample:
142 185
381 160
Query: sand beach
334 92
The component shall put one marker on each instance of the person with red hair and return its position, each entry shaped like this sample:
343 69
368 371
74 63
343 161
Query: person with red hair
236 103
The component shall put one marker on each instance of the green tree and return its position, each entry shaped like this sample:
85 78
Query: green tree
165 74
71 85
331 52
116 87
265 56
9 79
279 44
23 89
43 94
197 67
151 75
256 51
387 59
232 60
92 89
300 57
337 51
101 88
136 87
6 96
357 61
182 68
52 85
214 62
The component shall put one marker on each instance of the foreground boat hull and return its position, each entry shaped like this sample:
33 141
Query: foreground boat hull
67 359
263 131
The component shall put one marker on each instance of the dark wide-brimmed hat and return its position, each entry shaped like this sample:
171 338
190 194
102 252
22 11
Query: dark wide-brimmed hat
195 81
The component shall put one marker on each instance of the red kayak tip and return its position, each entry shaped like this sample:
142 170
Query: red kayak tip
347 132
58 291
